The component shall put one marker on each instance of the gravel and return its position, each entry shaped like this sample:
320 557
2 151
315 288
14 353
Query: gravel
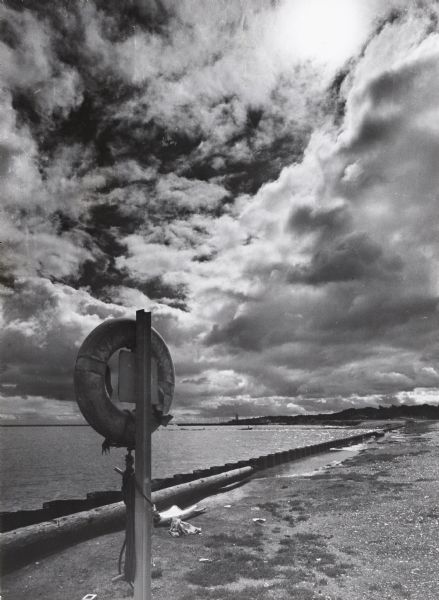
365 529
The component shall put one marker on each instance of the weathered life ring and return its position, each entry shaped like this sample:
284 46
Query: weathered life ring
91 381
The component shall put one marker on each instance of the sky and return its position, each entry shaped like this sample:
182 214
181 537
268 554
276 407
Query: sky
261 175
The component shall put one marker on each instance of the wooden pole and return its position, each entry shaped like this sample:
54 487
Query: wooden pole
143 508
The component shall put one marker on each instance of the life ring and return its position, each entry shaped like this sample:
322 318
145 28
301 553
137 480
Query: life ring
91 381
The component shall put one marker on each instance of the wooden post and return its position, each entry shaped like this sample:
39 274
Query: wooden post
143 509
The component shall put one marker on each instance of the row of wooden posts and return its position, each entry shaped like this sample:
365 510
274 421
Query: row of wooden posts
59 508
266 461
29 543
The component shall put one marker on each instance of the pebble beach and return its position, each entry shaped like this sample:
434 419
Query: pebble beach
367 528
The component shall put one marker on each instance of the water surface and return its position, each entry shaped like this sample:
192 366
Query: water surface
47 463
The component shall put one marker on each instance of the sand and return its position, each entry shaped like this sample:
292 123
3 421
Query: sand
366 529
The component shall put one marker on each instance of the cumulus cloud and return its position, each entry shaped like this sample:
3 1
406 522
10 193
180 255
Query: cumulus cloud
356 236
41 335
273 205
37 409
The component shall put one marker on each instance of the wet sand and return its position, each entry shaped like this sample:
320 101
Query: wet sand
366 529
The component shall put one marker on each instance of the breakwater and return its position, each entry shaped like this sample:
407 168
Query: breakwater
23 545
58 508
27 543
54 463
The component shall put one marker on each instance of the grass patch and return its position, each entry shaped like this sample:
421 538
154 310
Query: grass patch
308 551
349 550
282 512
432 514
295 576
356 477
302 518
302 593
228 566
300 557
156 572
392 486
296 505
289 519
271 507
369 458
337 570
374 587
251 592
319 476
252 540
309 537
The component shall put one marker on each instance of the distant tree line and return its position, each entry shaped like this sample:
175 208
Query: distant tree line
401 411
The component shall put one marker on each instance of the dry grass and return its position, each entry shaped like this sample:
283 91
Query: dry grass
228 566
253 540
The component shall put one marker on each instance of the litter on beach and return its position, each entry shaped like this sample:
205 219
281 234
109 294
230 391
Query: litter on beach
179 528
204 560
227 506
259 520
165 517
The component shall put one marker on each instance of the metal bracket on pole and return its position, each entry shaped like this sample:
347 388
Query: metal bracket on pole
143 508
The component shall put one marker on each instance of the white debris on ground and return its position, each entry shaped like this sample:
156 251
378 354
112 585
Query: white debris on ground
179 528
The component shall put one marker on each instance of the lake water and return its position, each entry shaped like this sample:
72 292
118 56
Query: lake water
38 464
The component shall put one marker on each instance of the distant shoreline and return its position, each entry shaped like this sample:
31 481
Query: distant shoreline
246 425
182 425
351 417
44 425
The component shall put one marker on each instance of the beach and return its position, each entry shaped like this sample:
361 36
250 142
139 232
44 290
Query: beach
364 529
219 250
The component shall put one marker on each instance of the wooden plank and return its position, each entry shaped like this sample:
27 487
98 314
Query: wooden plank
143 508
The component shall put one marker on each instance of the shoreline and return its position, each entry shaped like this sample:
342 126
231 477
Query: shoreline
49 456
366 528
13 520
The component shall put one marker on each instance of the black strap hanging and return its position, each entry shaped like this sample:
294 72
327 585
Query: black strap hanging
128 494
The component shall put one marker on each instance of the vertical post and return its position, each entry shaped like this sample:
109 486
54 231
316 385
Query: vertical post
143 509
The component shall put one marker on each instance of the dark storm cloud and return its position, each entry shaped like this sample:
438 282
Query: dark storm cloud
110 119
259 165
354 257
239 333
331 220
336 99
276 216
386 313
349 316
36 358
44 324
391 84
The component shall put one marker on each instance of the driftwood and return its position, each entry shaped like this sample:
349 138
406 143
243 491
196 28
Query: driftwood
164 518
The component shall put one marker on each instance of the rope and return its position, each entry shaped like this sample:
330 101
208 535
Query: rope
128 494
129 487
119 563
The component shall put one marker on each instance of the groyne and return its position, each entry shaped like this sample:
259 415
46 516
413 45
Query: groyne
26 543
54 509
